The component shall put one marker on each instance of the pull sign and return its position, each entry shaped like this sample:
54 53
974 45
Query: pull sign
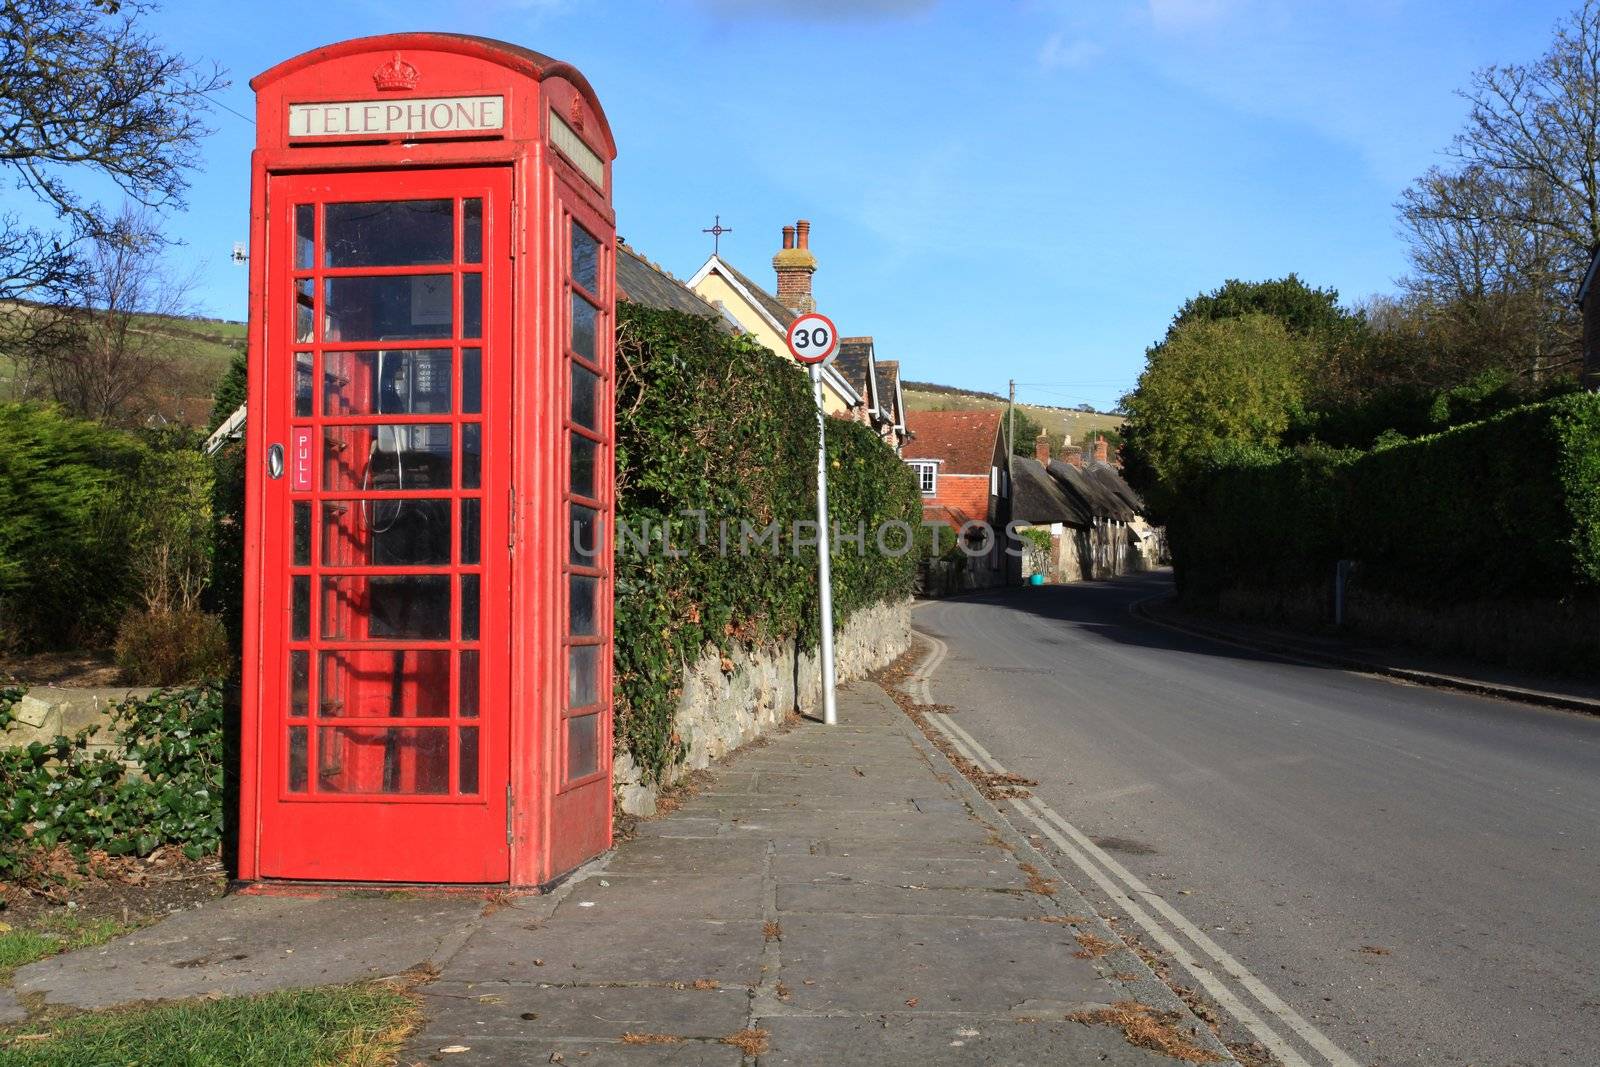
300 460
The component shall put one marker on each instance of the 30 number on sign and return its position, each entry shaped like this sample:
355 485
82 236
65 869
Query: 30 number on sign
813 340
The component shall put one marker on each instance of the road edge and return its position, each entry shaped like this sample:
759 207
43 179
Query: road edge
1148 987
1141 609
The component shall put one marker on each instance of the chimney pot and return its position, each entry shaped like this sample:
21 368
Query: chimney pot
802 231
794 265
1041 449
788 237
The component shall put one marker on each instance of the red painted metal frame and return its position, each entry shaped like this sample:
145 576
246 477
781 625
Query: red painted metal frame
555 824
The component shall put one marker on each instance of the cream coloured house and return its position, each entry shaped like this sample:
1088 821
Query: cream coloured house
766 317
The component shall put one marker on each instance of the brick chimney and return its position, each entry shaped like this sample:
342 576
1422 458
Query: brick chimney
1072 455
794 265
1041 449
1102 451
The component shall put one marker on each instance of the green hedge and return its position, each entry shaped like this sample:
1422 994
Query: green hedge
1507 506
64 565
715 423
64 794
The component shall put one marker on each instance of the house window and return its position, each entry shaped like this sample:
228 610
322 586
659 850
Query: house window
927 476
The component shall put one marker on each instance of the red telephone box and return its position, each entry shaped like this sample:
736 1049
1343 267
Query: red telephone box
427 676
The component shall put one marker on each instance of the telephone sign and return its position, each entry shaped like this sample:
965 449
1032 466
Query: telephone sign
813 340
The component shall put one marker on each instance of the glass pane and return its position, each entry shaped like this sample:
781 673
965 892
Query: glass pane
469 684
469 759
386 533
383 759
471 380
386 607
386 457
302 384
582 610
582 475
398 381
471 455
472 305
470 511
585 259
305 216
469 607
585 387
302 533
305 311
299 682
583 675
401 684
388 308
472 230
586 536
297 759
583 746
583 320
300 608
395 233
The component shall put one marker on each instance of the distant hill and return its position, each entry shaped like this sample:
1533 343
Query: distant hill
1057 421
201 351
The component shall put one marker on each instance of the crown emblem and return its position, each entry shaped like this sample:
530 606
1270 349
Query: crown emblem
395 75
575 111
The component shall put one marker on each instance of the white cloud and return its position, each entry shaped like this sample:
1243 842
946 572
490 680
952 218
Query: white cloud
1185 14
1061 53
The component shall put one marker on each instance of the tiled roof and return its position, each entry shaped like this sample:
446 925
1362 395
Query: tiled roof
1037 498
642 282
853 362
964 440
888 378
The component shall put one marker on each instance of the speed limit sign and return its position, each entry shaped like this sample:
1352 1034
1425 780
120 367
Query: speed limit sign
813 340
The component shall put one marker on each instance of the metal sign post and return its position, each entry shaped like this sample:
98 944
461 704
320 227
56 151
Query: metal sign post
814 342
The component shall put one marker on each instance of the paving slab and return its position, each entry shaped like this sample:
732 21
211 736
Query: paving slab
477 1010
618 897
923 1040
250 944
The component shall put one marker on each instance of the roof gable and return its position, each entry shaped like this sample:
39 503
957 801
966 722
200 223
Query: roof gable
964 440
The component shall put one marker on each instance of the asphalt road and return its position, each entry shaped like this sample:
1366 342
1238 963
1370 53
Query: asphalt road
1415 872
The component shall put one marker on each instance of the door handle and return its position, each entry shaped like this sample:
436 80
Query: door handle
274 461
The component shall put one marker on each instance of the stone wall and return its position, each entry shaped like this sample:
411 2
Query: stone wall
47 712
720 710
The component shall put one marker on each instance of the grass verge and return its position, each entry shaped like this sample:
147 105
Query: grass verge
350 1026
19 948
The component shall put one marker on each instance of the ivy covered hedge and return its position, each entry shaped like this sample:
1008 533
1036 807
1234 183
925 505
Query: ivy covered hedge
713 423
1505 507
65 794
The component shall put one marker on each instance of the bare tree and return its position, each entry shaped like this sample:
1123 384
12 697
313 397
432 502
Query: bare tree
1500 237
103 348
83 89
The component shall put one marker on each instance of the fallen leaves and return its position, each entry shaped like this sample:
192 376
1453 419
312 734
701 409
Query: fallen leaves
631 1038
1093 947
1144 1027
771 931
752 1042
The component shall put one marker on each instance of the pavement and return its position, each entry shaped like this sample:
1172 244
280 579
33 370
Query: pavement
1378 872
831 895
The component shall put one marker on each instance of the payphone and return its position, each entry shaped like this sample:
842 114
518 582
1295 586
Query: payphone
427 684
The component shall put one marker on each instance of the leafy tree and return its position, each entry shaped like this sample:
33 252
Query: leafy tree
1501 236
1025 432
1213 380
84 90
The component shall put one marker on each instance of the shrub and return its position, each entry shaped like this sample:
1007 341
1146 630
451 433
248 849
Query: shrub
64 567
64 794
172 647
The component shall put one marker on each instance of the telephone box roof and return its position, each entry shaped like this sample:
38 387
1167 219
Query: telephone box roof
515 57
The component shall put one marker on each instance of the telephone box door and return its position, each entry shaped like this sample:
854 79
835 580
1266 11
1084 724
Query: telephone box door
384 752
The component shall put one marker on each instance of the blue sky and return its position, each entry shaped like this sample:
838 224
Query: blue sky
997 190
